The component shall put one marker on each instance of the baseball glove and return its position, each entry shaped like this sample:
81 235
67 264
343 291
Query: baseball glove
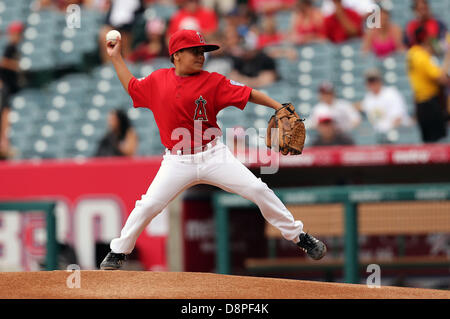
290 135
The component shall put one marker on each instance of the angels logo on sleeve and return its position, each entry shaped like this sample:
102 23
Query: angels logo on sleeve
236 83
200 110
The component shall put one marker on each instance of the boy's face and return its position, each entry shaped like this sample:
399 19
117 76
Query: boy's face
191 60
327 130
374 85
326 97
15 37
422 10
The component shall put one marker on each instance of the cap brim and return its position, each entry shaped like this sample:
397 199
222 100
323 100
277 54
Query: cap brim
208 47
211 47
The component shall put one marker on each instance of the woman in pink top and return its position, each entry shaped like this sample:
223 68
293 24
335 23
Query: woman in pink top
307 23
385 40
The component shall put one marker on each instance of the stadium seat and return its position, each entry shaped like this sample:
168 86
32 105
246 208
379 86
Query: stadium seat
160 10
311 135
283 20
404 135
364 134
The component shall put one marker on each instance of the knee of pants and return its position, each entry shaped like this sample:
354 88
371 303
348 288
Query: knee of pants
149 205
258 189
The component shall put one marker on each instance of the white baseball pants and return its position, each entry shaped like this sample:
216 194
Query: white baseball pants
216 166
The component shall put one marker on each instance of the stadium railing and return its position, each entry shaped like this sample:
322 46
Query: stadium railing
51 259
356 217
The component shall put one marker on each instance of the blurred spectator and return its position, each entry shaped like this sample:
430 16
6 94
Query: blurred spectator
343 24
61 5
44 5
307 24
386 40
9 82
329 132
223 7
220 60
269 39
435 29
268 33
121 16
155 44
231 41
384 106
121 138
193 16
100 5
362 7
345 116
270 6
254 68
428 81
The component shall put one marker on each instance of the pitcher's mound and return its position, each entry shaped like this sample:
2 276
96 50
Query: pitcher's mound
181 285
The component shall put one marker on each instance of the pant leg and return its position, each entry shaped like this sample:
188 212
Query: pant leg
172 178
228 173
431 118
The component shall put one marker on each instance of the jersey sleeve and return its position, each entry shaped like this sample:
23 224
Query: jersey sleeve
231 93
140 91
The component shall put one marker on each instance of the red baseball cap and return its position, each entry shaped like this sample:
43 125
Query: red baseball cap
183 39
15 27
324 116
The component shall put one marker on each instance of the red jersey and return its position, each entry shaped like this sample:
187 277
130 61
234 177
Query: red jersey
432 27
184 105
335 31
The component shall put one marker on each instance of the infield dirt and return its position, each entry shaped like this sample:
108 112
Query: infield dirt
182 285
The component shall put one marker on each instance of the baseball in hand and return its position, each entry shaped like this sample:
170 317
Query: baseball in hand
112 35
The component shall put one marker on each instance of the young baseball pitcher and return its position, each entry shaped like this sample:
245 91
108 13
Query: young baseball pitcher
185 101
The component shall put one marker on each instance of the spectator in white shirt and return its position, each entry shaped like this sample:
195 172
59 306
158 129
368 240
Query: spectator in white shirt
363 7
328 133
346 117
384 106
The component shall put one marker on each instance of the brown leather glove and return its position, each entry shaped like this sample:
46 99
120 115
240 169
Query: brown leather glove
289 136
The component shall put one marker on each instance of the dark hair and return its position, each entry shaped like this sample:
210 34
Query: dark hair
420 34
124 123
172 59
416 2
307 2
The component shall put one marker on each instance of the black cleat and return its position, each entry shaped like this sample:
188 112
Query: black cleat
312 246
113 261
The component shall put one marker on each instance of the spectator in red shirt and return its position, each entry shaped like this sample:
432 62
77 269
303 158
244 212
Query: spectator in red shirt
434 28
307 23
343 24
270 6
268 34
386 40
154 46
193 16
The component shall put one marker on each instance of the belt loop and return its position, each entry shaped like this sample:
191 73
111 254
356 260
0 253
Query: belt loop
167 151
179 152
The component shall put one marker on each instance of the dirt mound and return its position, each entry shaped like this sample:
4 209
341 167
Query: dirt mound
180 285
